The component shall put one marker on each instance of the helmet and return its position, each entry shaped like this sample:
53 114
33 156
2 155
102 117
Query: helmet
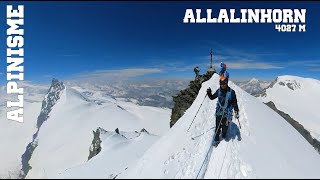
223 80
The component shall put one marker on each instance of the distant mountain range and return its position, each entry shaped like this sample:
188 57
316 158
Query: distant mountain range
253 86
156 93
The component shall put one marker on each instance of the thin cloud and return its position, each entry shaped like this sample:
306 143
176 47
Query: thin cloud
249 64
231 64
234 62
219 48
240 59
120 73
315 69
189 67
310 63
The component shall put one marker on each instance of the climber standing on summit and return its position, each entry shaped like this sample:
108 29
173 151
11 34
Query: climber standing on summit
227 100
223 70
196 70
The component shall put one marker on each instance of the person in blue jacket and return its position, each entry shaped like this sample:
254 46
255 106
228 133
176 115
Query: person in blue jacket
223 68
227 101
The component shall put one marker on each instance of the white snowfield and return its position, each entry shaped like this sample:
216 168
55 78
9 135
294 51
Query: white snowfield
300 100
265 147
65 138
15 136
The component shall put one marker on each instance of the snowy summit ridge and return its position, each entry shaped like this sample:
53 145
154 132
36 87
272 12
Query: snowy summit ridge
266 146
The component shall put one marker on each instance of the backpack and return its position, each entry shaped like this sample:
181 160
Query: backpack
226 74
221 109
224 66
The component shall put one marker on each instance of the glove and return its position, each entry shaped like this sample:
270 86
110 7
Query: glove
209 91
237 114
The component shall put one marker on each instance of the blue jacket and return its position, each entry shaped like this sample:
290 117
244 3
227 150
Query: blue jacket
223 69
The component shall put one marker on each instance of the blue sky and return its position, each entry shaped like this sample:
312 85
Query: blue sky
70 40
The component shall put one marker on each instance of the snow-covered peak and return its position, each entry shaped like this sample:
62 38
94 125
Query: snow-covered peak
298 97
254 86
289 82
254 81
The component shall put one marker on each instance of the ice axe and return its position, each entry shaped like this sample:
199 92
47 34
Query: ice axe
239 122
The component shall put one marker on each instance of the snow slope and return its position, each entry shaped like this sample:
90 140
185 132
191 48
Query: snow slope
265 147
299 97
145 114
15 136
118 152
65 137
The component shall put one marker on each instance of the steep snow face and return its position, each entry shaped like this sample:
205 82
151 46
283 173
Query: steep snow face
64 139
299 97
265 147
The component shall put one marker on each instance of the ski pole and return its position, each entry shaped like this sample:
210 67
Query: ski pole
193 138
197 112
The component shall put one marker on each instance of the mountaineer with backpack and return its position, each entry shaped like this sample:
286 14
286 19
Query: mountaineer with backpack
227 101
223 70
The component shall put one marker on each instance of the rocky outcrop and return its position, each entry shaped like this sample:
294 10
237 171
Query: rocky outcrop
49 101
95 147
144 130
185 98
305 133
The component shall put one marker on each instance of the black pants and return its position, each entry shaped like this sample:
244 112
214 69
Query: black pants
223 125
197 75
